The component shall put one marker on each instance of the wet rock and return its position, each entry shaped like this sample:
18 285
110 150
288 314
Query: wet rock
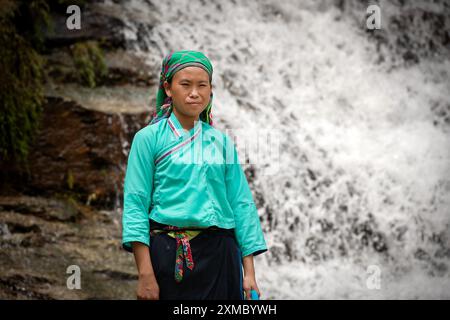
24 287
125 68
116 274
97 24
36 252
125 99
78 151
48 209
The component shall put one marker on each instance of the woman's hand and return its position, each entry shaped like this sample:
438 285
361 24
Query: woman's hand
250 284
249 277
148 288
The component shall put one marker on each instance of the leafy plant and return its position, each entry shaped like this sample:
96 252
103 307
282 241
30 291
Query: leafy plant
21 91
89 62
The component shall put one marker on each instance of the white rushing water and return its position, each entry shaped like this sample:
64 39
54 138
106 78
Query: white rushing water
363 174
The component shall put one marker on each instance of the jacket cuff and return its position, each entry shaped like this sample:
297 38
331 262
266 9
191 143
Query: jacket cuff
255 251
127 243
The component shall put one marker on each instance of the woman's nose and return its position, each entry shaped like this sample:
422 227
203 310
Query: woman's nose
194 92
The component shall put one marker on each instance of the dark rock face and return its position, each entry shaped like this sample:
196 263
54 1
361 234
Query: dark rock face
96 25
50 210
19 285
79 151
39 240
83 143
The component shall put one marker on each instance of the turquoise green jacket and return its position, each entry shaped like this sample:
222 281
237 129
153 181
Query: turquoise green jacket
186 179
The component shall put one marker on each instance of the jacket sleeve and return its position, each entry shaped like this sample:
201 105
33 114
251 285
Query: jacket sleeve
248 227
138 187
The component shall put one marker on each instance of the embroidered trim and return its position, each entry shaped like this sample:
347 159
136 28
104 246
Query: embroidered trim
172 126
178 146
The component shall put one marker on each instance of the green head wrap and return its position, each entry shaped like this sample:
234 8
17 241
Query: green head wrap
172 63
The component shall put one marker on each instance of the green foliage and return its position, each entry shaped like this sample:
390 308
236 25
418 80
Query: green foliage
21 92
89 62
39 11
22 27
31 19
70 179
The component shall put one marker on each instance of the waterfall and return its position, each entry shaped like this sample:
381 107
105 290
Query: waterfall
363 174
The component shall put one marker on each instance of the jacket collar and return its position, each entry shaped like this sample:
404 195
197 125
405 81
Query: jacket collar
178 129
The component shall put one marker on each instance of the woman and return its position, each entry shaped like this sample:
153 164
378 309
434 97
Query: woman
189 215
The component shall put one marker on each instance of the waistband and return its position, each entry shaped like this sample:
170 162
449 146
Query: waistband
154 225
183 247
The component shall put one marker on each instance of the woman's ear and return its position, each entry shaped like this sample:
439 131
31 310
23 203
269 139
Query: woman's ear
167 89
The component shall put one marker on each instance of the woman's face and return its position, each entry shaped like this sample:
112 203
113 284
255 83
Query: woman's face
190 91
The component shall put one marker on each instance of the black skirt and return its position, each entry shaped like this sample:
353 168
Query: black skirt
217 272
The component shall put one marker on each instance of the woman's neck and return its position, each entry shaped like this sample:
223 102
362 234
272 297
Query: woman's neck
186 122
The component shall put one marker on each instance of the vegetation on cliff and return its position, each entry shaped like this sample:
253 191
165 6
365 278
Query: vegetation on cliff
21 92
22 45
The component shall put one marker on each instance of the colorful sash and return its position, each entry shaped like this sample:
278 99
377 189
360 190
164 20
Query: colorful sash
183 251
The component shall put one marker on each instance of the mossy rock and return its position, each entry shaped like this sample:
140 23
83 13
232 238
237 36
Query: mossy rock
89 62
